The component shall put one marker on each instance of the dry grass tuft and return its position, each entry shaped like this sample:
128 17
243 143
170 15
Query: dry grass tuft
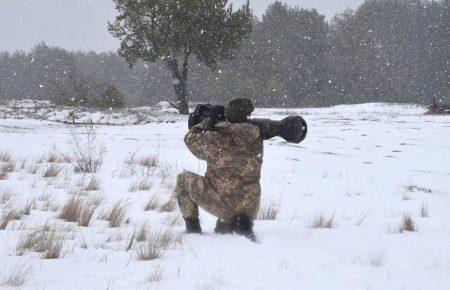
156 243
118 214
8 167
407 224
80 210
33 169
93 184
168 206
142 232
321 221
17 276
141 185
5 196
424 210
377 259
5 157
412 188
149 161
7 216
3 175
152 204
49 240
173 219
270 210
156 276
52 171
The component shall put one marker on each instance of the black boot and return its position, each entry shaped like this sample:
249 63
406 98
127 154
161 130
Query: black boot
243 226
193 226
223 227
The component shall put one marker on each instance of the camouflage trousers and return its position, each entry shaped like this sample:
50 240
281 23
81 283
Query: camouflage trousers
194 190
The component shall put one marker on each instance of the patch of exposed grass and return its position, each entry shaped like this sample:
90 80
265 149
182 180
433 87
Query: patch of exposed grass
156 243
5 157
52 171
48 240
412 188
7 216
8 167
5 196
117 214
152 204
80 210
17 276
168 206
322 221
141 185
424 210
407 224
173 219
93 184
269 210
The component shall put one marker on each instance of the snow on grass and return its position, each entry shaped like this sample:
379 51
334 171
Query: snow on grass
371 169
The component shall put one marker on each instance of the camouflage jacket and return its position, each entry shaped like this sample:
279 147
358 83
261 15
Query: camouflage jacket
234 156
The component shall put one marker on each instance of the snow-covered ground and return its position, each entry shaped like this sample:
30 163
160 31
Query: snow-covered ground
365 166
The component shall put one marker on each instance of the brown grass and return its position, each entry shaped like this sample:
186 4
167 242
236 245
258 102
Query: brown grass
8 167
80 210
4 175
168 206
173 219
407 224
7 216
156 276
49 240
156 243
412 188
5 157
270 210
152 204
141 185
321 221
118 214
149 161
33 169
424 210
5 196
93 184
142 232
17 276
52 171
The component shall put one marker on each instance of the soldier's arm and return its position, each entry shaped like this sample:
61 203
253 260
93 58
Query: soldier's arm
241 133
204 144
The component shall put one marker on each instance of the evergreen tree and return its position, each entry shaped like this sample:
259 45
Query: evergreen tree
174 30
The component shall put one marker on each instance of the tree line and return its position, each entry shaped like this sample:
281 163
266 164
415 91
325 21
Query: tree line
384 51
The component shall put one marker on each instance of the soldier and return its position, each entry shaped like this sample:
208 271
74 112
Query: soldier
230 189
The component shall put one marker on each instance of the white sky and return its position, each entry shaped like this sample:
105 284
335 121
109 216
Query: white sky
82 24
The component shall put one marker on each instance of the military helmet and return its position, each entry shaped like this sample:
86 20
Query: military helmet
238 110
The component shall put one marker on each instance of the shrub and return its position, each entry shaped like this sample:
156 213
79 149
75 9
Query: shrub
111 97
88 152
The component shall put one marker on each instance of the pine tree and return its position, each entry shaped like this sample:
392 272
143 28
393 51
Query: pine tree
173 30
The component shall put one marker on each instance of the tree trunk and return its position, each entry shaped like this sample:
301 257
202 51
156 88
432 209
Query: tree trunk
180 82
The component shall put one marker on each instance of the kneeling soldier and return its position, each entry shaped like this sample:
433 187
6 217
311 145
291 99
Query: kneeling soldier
230 189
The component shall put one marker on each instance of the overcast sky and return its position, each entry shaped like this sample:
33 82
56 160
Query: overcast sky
82 24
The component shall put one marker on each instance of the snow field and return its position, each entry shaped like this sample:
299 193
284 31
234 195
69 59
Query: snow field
338 201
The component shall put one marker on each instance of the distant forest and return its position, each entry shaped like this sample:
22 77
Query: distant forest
385 51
